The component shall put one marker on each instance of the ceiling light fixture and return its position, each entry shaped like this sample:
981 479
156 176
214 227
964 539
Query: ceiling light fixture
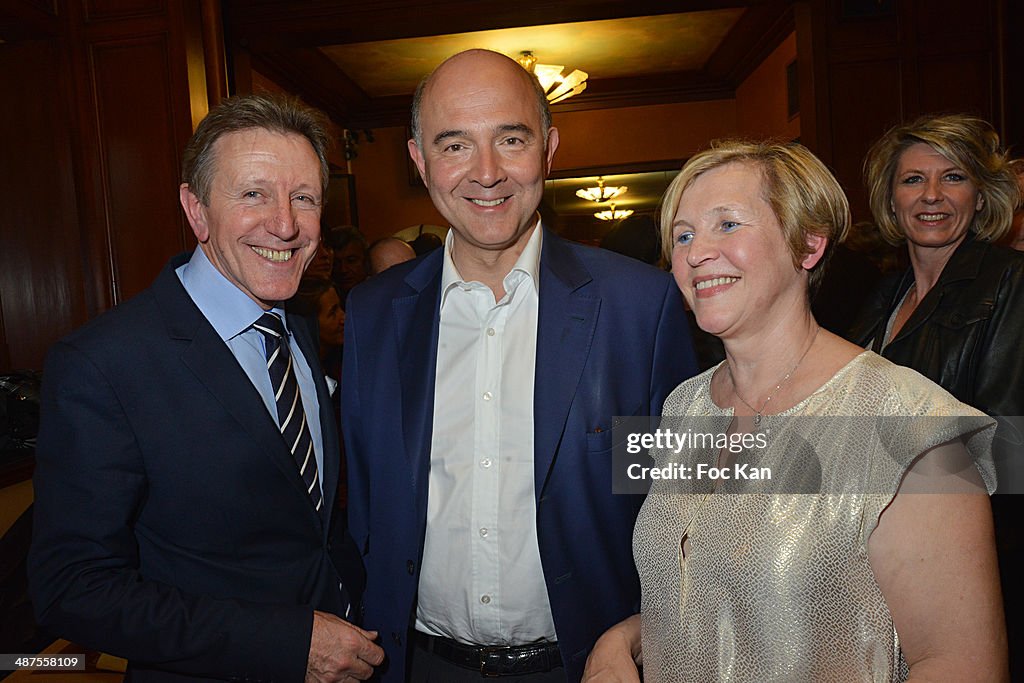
614 215
556 87
601 193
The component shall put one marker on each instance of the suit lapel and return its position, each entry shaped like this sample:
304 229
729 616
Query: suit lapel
566 321
964 264
416 318
211 361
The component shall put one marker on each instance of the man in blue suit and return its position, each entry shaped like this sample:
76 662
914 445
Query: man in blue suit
188 460
480 386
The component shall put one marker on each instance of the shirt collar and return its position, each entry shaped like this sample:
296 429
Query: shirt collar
228 309
528 264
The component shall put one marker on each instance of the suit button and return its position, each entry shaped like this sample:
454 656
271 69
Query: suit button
410 567
397 639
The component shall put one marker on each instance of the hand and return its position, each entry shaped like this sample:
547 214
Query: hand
340 651
615 655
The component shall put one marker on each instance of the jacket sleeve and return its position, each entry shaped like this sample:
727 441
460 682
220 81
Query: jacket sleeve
355 452
999 366
90 486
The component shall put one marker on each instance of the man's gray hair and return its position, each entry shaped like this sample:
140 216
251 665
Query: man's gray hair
274 113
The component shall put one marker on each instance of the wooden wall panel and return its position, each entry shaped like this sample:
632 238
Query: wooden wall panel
860 120
950 25
138 84
102 10
41 259
970 74
1012 72
98 108
851 35
872 72
140 158
761 100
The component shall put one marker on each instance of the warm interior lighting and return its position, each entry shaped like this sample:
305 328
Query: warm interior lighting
556 87
601 193
613 215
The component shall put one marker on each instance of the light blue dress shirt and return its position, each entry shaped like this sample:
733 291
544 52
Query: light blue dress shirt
231 313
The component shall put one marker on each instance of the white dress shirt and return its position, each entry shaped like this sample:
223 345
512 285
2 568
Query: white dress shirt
481 580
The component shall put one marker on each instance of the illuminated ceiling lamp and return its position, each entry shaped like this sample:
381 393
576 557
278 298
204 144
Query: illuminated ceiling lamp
556 87
601 193
613 215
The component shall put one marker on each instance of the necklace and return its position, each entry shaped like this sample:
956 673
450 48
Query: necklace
759 413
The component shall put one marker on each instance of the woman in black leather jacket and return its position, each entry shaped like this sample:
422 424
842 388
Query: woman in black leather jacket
942 184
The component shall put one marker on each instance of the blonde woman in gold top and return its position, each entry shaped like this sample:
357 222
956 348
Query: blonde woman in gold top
867 578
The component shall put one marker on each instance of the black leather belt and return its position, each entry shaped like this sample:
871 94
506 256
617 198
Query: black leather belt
515 660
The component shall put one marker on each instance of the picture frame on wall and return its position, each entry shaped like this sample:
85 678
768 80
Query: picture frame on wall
792 90
340 207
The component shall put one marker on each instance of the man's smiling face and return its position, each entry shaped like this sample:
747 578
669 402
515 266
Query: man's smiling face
261 226
484 153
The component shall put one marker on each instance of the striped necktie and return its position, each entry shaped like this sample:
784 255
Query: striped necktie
290 415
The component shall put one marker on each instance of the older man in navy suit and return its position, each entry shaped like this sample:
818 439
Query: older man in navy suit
480 386
187 456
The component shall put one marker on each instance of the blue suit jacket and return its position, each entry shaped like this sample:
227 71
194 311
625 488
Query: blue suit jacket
612 340
171 524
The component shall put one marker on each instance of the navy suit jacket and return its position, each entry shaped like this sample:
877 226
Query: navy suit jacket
171 524
612 340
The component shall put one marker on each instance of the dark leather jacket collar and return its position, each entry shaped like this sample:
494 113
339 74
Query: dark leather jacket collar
964 264
965 334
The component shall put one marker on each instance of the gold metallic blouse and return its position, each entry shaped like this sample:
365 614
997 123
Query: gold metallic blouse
775 584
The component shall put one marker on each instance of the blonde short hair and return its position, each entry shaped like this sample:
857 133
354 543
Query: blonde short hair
967 141
804 195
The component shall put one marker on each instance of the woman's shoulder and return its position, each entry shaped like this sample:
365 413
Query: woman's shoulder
692 397
1004 256
890 389
911 414
990 263
1009 264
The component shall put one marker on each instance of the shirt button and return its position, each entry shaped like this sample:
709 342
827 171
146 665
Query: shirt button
485 463
486 599
490 331
483 533
488 396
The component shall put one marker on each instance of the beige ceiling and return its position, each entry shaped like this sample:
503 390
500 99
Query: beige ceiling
609 48
361 61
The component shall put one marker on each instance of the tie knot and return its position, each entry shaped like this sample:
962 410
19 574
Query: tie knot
270 325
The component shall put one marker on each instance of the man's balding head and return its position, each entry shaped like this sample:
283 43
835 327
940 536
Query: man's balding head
538 91
484 150
388 252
